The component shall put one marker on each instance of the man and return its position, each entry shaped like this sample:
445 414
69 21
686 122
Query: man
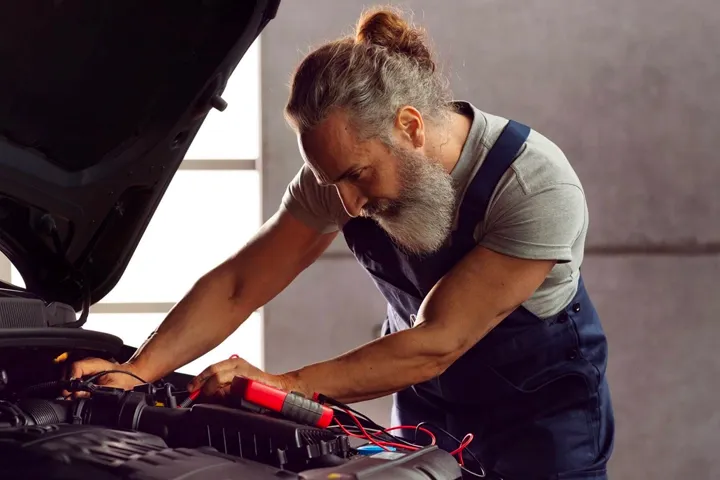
473 229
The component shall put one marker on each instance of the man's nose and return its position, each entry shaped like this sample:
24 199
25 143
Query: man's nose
352 199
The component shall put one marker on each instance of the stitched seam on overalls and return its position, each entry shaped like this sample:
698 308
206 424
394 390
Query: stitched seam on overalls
594 429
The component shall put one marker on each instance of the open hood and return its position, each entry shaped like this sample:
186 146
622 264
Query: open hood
99 101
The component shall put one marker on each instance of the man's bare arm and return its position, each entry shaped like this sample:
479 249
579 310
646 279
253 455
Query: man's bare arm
224 298
468 302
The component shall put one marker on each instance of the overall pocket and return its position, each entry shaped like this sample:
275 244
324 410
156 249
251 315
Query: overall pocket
546 414
541 355
535 373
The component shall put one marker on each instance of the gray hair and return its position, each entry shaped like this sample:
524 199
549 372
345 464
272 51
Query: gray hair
385 66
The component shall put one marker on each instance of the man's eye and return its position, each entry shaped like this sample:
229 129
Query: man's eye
357 174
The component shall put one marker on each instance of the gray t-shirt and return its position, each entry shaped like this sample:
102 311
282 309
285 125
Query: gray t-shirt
538 210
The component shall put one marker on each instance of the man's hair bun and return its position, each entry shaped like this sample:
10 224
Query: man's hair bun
385 27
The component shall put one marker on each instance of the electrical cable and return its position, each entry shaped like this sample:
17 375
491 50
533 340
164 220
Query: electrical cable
346 408
462 446
366 434
373 425
369 437
107 372
187 402
340 407
380 435
381 443
73 384
427 432
354 414
355 432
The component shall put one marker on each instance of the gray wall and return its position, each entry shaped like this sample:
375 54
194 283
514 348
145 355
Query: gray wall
631 92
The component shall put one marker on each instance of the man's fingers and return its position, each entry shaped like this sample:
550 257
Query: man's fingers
212 370
214 385
197 382
88 367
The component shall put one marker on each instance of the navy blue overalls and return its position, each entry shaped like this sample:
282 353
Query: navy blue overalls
533 391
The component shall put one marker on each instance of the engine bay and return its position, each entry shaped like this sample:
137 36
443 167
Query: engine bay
49 431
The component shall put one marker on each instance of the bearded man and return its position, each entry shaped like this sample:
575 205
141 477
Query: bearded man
472 227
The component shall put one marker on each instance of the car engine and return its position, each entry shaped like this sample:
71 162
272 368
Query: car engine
49 431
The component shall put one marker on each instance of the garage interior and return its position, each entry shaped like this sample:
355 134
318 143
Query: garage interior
629 90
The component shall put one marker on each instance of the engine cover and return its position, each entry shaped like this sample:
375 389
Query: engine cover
56 452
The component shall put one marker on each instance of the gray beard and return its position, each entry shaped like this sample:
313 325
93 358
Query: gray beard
421 219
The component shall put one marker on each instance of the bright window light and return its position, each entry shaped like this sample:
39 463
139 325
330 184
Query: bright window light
134 328
204 217
235 133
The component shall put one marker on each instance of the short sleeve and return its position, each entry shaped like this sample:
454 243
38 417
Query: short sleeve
315 205
540 226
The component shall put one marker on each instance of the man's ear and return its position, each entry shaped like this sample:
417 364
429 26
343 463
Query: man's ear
410 126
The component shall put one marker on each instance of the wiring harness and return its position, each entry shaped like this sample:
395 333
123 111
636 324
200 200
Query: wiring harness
349 421
358 425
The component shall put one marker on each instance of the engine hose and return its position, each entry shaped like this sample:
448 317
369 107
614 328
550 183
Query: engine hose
43 412
41 387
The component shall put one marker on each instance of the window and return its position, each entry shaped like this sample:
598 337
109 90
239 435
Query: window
210 209
134 328
203 218
234 134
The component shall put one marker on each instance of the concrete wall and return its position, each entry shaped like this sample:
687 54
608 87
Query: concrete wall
631 92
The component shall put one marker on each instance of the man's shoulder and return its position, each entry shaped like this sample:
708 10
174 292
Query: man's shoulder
541 164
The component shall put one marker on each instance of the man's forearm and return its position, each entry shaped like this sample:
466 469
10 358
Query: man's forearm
376 369
207 315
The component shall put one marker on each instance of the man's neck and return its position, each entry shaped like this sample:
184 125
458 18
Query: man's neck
448 144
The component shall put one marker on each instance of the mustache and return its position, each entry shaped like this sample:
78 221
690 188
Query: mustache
381 207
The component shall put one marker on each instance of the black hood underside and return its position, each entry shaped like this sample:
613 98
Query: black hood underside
99 101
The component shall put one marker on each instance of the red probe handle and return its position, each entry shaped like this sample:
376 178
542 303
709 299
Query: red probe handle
290 404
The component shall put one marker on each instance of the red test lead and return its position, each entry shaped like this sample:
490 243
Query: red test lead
291 405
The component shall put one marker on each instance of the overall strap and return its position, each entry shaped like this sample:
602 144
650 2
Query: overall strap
498 160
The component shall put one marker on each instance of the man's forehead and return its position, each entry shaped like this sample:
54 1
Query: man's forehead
329 148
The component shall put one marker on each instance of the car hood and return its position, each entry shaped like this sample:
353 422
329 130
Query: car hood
99 101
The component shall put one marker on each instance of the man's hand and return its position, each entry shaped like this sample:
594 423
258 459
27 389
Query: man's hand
93 366
215 381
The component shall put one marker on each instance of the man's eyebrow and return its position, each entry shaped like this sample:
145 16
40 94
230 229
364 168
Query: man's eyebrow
345 174
319 176
326 183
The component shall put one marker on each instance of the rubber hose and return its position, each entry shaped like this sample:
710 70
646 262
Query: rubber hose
43 412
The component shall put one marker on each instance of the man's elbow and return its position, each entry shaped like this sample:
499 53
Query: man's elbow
442 349
444 344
